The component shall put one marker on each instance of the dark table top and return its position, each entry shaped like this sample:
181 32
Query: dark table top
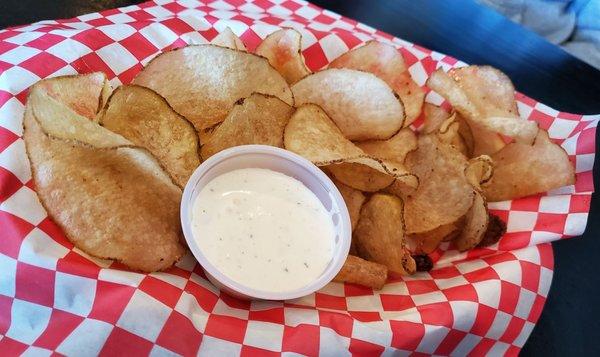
474 34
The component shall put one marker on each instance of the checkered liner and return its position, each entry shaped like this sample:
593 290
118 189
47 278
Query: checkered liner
54 297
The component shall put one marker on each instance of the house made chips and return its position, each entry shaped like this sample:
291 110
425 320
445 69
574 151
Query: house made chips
110 168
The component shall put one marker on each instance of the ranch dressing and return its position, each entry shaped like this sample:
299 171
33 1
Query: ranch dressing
263 229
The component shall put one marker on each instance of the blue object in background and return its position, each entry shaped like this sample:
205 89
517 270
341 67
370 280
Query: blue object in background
572 24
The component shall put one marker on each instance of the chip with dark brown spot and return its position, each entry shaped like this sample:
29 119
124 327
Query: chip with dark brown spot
424 263
495 230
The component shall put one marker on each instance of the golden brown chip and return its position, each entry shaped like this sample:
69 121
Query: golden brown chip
444 193
203 82
412 96
449 134
522 170
61 122
114 203
466 134
204 135
354 200
433 118
146 119
427 242
476 223
352 250
393 149
476 91
104 95
310 133
228 39
484 96
81 93
523 131
454 234
258 119
362 272
479 171
380 234
451 128
387 63
362 105
360 177
485 142
283 50
401 175
369 179
404 188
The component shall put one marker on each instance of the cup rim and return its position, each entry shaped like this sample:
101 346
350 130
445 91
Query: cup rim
338 258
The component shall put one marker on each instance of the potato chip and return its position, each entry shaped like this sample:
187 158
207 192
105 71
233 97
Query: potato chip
474 106
362 105
387 63
258 119
403 188
310 133
454 234
412 96
362 272
113 203
370 178
485 96
81 93
521 130
479 171
352 250
392 152
146 119
203 82
522 170
451 128
228 39
485 142
354 200
449 133
393 149
283 50
459 225
466 134
360 177
476 223
61 122
427 242
434 116
204 135
104 95
380 234
444 193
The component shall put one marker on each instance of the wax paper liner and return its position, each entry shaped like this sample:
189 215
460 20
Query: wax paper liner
55 298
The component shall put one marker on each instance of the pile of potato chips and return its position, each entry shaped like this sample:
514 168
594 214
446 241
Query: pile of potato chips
109 166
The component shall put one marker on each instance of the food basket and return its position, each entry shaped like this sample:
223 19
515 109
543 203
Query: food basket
54 297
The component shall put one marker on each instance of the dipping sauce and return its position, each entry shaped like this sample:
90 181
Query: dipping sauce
263 229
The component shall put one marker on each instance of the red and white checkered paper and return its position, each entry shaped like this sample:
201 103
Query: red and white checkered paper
55 298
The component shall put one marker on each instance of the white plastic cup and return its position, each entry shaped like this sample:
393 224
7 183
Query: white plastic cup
288 163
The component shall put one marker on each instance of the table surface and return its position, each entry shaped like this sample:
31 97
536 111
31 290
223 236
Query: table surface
474 34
